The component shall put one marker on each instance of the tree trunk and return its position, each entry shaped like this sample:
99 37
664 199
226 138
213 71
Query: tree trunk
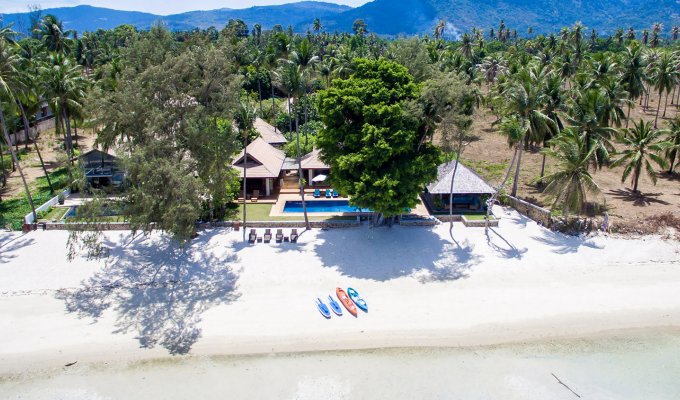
290 121
630 105
658 108
75 130
665 106
302 185
35 144
540 180
453 176
68 135
273 105
16 161
245 174
305 106
636 177
259 90
515 183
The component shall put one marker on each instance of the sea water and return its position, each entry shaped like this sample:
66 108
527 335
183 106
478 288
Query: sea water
640 366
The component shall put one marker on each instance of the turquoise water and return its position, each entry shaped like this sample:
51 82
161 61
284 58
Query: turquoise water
319 206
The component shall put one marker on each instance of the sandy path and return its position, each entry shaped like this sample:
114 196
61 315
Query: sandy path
149 300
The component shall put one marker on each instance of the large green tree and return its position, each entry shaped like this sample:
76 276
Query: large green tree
371 142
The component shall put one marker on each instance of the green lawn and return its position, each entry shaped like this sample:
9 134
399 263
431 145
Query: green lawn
53 213
477 217
13 210
260 212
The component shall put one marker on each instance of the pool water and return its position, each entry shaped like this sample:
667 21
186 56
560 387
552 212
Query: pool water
322 206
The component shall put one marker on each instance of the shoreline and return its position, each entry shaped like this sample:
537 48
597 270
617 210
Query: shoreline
425 289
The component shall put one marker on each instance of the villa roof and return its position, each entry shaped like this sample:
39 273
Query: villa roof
313 161
264 160
268 133
466 182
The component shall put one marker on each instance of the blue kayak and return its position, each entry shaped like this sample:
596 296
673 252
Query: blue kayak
323 309
354 295
334 306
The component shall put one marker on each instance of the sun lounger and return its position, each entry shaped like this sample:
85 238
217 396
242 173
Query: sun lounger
267 235
329 194
279 235
252 237
294 236
335 193
317 193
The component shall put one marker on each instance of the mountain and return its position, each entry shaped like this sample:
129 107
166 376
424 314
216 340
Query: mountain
88 18
394 17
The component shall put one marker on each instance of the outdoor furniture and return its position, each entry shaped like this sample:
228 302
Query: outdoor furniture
256 194
317 193
329 194
294 236
267 235
335 193
279 235
252 237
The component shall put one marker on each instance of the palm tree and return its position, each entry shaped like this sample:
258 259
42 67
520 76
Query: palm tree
305 58
51 33
642 145
515 129
245 118
571 184
439 29
64 86
316 26
8 75
586 113
525 99
665 78
633 76
631 34
674 139
291 79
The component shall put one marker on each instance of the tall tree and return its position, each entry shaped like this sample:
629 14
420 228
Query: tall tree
371 142
665 78
674 140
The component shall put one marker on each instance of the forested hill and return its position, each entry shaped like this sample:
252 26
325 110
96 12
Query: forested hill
394 17
88 18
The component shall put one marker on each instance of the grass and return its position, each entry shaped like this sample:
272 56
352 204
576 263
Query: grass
13 210
477 217
53 213
260 212
491 172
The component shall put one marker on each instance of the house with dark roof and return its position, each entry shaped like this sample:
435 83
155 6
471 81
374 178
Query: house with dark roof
262 167
101 169
269 133
469 192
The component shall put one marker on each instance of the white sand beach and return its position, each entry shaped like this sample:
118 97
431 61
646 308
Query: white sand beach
425 287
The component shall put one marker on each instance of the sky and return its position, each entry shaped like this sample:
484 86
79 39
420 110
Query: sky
161 7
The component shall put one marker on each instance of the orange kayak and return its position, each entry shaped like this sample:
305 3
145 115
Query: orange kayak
346 301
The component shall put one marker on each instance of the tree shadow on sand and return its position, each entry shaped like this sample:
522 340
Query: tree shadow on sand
638 199
383 254
564 244
157 290
10 243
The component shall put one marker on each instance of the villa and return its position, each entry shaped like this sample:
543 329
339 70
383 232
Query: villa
101 169
469 192
268 170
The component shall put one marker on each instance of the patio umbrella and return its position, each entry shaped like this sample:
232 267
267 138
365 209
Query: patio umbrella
319 178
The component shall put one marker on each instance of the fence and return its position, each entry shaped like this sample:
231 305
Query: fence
28 219
39 127
538 214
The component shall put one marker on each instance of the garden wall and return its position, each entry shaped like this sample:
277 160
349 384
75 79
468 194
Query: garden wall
538 214
28 219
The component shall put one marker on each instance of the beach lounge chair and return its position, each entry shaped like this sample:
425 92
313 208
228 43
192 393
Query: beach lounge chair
329 194
279 235
267 235
252 237
294 236
335 193
317 193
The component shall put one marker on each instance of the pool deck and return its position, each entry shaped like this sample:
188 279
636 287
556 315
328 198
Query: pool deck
277 208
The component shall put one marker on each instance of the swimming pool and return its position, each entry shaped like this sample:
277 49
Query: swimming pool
322 206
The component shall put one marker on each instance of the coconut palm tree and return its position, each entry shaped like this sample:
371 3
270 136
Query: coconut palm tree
674 140
304 58
633 78
51 33
642 145
64 87
571 183
245 119
515 129
665 77
316 26
586 113
439 29
8 78
291 78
